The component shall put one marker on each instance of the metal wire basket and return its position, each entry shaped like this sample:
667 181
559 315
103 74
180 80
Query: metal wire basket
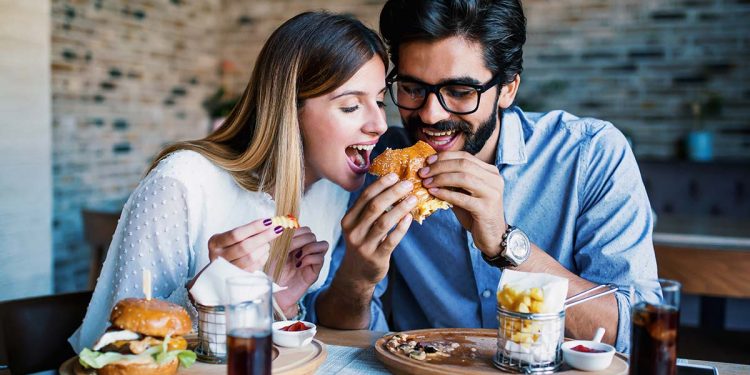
529 343
212 337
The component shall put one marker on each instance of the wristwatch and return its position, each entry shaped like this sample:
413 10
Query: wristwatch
515 248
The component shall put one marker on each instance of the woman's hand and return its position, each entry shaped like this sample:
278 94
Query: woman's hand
247 246
301 269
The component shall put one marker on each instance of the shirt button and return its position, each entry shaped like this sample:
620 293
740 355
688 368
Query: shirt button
486 293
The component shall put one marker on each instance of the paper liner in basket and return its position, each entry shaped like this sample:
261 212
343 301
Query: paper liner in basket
554 288
532 341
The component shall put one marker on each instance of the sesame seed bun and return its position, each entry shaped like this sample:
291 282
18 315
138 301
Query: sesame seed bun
151 317
406 162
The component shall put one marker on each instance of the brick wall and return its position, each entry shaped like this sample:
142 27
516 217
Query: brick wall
641 64
130 76
127 77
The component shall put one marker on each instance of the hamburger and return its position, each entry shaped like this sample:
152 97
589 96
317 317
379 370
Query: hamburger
405 163
146 337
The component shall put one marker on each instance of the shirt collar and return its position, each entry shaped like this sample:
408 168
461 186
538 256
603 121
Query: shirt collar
511 147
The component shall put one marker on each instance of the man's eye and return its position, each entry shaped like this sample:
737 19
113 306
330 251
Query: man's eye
349 109
458 92
413 91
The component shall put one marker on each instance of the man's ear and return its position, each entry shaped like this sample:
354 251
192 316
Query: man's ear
508 93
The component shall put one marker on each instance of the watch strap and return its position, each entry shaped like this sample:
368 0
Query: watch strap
499 260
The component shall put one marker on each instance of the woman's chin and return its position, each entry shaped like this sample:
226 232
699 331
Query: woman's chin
350 182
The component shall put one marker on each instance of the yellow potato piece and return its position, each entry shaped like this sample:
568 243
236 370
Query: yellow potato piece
536 294
536 307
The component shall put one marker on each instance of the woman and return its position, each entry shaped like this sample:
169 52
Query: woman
296 143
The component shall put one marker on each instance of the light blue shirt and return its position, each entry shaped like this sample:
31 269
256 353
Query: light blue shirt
572 184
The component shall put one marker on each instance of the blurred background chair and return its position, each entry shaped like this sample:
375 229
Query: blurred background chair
98 228
34 331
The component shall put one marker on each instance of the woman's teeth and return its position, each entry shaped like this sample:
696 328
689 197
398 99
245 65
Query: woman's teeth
437 134
359 155
363 147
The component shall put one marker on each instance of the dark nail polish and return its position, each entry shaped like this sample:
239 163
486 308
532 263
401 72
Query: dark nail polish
267 222
299 264
299 254
278 229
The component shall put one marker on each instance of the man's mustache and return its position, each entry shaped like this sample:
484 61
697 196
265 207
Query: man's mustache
446 125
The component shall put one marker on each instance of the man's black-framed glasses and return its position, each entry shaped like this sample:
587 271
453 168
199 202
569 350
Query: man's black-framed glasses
455 97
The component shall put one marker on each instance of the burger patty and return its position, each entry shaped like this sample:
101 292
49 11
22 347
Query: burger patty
139 346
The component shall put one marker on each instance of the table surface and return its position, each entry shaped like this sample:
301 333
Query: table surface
702 231
364 339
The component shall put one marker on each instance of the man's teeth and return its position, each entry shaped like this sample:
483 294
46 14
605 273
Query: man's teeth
363 147
437 134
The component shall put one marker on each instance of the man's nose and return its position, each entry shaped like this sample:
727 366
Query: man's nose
432 112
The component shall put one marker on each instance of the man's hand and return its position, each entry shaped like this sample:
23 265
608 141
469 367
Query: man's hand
372 229
475 189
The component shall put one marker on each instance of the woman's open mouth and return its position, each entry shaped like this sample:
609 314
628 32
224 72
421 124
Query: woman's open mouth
358 157
440 140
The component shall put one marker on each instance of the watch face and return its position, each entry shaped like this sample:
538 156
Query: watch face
518 245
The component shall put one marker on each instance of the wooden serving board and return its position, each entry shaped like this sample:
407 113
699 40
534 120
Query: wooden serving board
303 361
463 359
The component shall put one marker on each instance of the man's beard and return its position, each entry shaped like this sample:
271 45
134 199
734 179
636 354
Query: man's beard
473 141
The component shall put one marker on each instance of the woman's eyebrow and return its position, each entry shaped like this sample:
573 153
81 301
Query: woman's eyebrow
349 92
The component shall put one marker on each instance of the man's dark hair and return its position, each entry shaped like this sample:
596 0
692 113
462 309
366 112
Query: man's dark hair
498 25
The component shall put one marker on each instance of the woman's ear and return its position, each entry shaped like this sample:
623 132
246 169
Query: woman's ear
508 93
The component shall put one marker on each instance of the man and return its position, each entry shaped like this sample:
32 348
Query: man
566 191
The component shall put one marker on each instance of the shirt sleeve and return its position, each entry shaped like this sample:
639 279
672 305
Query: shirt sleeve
377 316
613 232
152 234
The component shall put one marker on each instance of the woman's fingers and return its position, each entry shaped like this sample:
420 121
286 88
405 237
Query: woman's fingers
231 237
255 260
249 245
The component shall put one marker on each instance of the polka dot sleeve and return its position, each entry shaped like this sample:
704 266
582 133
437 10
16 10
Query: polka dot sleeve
152 233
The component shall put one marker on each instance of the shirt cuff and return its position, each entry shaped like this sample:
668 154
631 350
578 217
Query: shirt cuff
622 343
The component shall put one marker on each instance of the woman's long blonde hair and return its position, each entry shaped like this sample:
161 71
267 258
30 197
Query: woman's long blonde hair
260 142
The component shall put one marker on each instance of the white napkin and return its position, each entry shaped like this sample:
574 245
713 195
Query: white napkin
555 288
210 288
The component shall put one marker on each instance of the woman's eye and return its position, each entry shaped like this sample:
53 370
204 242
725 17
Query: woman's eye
350 109
381 104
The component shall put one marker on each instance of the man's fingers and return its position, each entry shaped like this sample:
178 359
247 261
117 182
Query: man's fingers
387 221
470 166
367 195
456 198
466 181
392 239
238 234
